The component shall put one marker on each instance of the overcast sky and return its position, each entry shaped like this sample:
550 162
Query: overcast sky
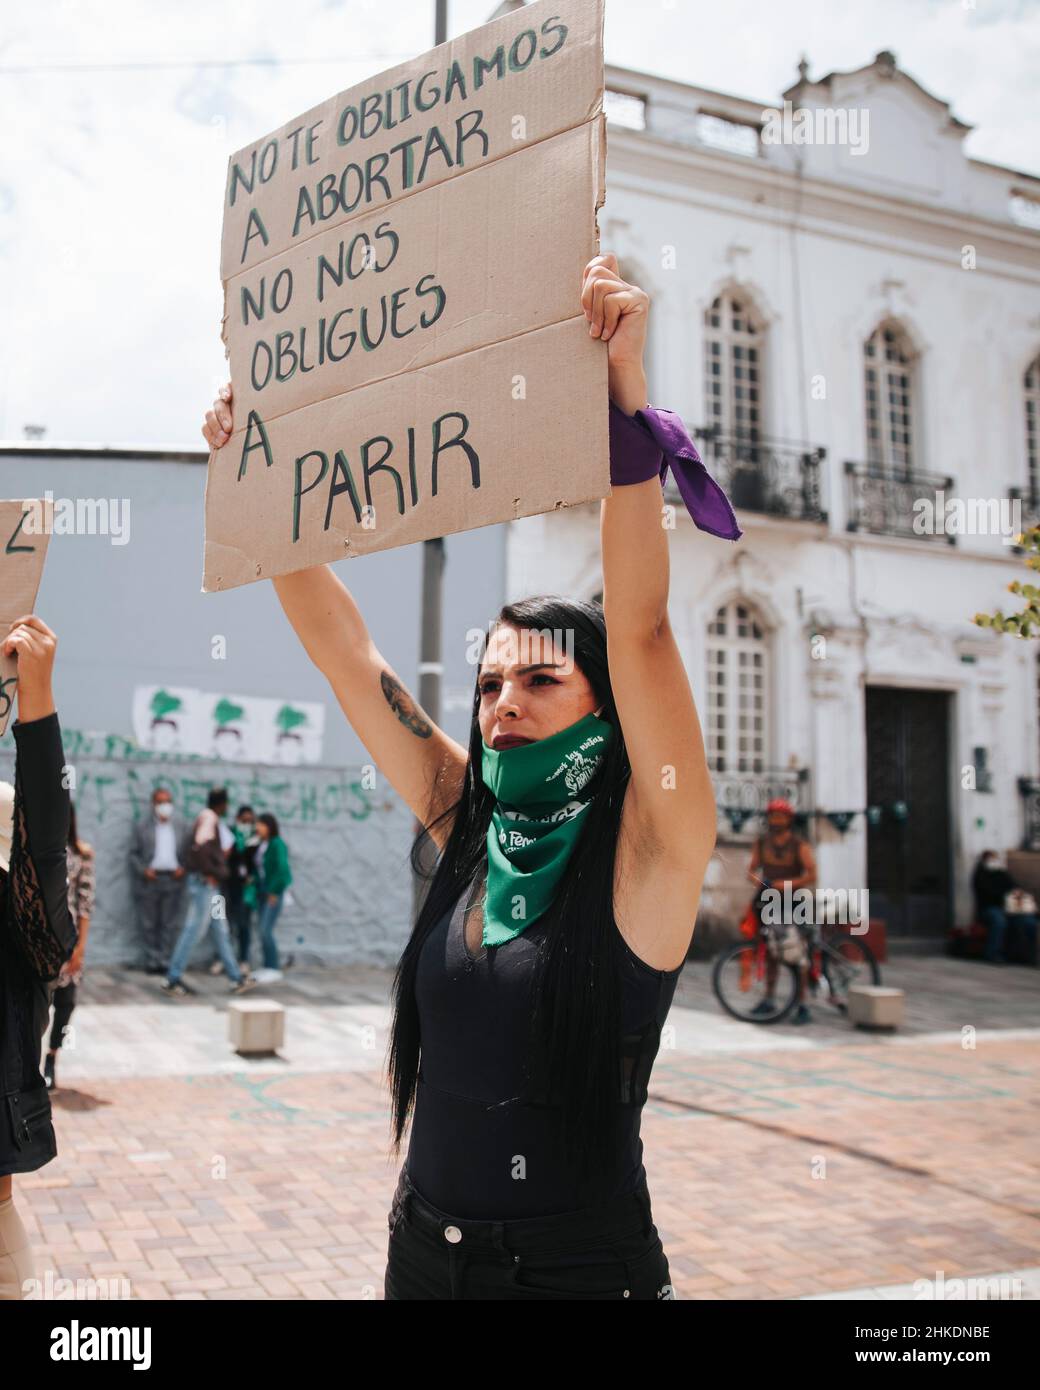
118 117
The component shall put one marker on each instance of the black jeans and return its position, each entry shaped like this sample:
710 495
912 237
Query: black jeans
612 1251
240 916
64 1001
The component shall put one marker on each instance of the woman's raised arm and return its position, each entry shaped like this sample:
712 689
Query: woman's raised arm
38 915
669 805
423 765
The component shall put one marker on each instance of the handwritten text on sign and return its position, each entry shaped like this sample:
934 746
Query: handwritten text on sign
408 352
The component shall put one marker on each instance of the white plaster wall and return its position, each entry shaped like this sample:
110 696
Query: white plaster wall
824 262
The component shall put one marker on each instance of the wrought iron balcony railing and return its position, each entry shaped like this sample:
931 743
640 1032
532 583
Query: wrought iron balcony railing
1030 501
770 476
897 502
741 798
1029 790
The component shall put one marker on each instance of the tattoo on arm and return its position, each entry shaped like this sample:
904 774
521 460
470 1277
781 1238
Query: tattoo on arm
402 704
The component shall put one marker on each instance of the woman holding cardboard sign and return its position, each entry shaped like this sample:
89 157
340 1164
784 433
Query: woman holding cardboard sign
37 933
573 835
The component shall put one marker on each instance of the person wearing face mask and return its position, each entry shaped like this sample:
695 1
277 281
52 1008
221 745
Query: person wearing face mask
157 871
273 877
1000 904
572 837
37 933
209 845
241 879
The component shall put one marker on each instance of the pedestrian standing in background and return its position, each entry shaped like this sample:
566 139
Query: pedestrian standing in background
230 838
273 879
79 858
158 874
207 876
242 874
1000 903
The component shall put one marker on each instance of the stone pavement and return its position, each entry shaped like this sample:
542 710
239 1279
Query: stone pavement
783 1162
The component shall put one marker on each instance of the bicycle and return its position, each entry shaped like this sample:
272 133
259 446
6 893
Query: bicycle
757 979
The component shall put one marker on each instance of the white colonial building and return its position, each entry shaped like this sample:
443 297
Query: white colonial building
849 324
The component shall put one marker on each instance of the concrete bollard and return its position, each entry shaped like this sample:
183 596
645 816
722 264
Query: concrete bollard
875 1006
256 1025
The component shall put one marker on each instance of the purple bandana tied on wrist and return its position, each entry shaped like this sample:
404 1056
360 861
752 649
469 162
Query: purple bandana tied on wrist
644 445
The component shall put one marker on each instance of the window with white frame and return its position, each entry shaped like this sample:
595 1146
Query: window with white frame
737 726
1032 393
889 383
721 133
625 109
733 348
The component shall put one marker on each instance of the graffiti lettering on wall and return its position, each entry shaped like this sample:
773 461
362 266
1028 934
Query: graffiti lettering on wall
113 775
349 842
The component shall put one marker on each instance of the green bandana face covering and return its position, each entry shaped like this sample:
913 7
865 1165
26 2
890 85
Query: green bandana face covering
539 813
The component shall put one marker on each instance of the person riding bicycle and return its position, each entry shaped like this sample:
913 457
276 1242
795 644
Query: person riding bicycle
782 858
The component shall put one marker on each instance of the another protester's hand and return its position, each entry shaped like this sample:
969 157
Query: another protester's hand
178 872
150 875
272 898
216 429
33 644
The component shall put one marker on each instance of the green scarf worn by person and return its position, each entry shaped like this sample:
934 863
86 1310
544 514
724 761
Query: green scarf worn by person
538 816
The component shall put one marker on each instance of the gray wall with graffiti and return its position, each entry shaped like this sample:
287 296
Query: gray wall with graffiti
128 611
348 844
128 608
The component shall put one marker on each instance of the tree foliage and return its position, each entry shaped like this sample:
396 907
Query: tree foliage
1027 622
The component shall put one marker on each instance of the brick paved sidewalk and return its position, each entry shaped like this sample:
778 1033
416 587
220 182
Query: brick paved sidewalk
941 994
779 1173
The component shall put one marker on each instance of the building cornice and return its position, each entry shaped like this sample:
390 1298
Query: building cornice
694 176
693 99
144 453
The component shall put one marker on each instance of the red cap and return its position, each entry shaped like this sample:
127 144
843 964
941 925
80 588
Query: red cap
779 804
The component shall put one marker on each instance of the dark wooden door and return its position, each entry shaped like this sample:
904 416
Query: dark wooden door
908 761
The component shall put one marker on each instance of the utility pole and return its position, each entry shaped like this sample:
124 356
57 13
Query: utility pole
431 665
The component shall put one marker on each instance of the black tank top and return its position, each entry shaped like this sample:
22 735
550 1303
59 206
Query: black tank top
472 1135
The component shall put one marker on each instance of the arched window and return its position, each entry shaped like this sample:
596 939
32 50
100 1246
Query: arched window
737 731
889 382
1032 395
733 349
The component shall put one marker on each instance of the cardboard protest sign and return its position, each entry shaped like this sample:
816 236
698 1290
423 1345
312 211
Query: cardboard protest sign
25 529
402 269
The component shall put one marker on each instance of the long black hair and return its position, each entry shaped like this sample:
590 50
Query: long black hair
574 1061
